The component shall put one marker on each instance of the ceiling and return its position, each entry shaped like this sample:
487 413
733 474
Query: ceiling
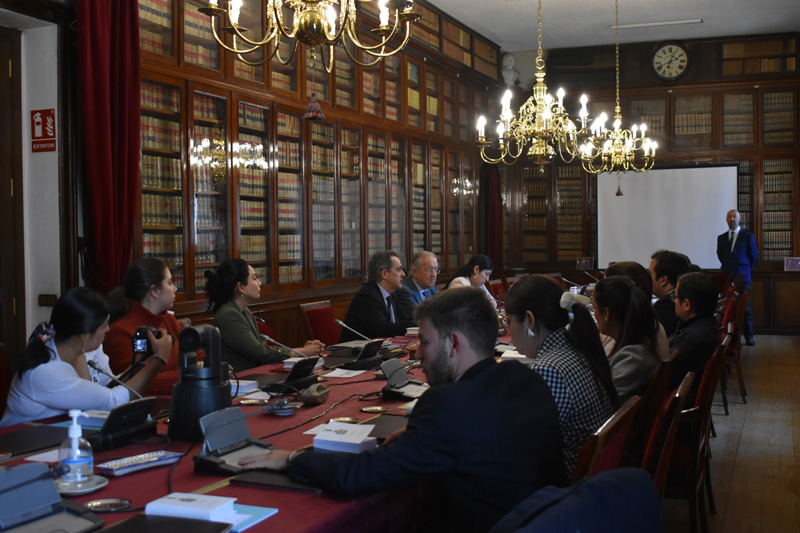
571 23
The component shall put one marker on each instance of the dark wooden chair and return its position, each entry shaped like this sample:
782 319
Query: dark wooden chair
604 449
733 355
688 476
658 450
556 276
498 289
321 322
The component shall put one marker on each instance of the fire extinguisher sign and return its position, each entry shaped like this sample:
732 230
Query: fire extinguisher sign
43 130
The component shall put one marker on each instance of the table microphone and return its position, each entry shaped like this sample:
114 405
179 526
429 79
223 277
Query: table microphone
99 368
273 341
345 326
570 282
594 278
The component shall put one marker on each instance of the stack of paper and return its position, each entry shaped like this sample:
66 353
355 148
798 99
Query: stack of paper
244 386
342 437
211 508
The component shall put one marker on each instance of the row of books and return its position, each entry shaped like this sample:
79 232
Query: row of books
737 139
569 255
155 42
254 248
208 178
290 247
160 134
534 223
210 212
155 96
156 11
692 124
162 210
351 139
781 120
207 107
778 220
773 102
534 257
427 36
351 192
758 48
322 158
288 124
203 56
393 113
251 147
196 24
777 201
570 223
324 248
697 105
248 72
776 255
289 186
778 239
536 205
208 245
350 163
455 51
323 218
778 165
737 103
253 214
779 137
288 153
535 187
284 82
167 246
377 219
345 99
778 181
289 216
377 144
252 116
534 241
321 132
290 274
376 192
322 189
372 107
162 172
737 123
351 244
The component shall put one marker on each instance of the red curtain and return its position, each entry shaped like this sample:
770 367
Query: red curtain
490 215
108 41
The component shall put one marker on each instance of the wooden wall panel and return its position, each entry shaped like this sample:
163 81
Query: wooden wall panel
785 303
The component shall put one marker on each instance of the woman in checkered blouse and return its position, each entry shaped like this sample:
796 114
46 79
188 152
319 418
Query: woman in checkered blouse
571 361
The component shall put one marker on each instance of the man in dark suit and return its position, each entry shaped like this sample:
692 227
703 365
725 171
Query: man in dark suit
737 253
665 269
470 432
421 283
380 308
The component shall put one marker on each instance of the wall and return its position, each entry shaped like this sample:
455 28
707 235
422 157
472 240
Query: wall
40 172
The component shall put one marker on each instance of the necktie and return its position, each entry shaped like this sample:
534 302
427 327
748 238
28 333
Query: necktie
389 308
423 293
730 240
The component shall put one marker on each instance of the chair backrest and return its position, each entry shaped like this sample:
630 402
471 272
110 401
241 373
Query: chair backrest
723 304
652 401
513 279
603 451
321 322
497 288
723 282
556 276
662 437
738 317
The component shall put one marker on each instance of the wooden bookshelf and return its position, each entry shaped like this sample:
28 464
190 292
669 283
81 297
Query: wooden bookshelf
323 200
569 212
535 220
738 120
419 196
398 202
155 26
745 196
455 190
199 46
437 206
350 210
778 216
778 118
759 56
376 192
291 197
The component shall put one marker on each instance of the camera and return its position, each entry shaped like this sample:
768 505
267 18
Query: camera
141 344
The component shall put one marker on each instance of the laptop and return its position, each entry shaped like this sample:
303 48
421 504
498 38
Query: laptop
399 386
300 376
368 357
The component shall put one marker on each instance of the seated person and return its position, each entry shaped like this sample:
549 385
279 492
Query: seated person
475 274
571 360
642 279
144 299
378 308
472 432
422 281
624 313
233 287
697 335
665 269
54 375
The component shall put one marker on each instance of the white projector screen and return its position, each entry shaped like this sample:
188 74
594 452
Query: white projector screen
679 209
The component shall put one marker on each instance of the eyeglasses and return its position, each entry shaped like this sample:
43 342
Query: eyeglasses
675 297
433 271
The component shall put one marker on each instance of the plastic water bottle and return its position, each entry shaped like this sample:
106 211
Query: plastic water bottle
75 455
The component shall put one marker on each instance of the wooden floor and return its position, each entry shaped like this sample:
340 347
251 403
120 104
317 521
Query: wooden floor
755 464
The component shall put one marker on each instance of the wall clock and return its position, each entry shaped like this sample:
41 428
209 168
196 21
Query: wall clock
670 61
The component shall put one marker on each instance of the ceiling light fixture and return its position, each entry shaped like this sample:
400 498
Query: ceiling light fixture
664 23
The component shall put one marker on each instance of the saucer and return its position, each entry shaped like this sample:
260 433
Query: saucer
97 483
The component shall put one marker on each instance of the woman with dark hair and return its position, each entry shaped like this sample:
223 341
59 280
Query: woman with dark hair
53 374
571 360
623 312
230 290
144 299
474 274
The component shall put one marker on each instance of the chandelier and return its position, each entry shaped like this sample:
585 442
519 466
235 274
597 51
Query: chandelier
315 23
618 149
543 127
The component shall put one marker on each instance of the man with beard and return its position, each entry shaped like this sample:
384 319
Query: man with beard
471 432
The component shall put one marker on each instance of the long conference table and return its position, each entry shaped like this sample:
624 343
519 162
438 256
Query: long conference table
297 512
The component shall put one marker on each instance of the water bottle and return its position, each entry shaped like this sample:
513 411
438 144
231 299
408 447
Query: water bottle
75 455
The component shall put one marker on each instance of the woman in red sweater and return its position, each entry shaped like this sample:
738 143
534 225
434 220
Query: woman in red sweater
143 299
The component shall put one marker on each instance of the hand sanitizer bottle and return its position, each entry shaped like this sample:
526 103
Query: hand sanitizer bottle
76 456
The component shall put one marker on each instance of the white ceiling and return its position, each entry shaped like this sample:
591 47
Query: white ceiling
571 23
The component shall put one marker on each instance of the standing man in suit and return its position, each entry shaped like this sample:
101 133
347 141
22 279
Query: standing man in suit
378 309
737 252
421 283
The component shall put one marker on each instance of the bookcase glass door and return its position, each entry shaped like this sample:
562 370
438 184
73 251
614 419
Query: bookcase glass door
255 196
323 208
777 118
449 108
569 211
745 190
454 199
317 79
291 198
777 213
432 98
414 93
536 194
345 77
737 120
284 77
199 46
376 193
419 213
465 129
393 88
653 113
399 199
371 91
469 188
155 26
209 171
250 16
692 121
350 203
437 202
162 181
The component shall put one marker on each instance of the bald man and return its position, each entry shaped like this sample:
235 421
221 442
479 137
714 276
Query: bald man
737 253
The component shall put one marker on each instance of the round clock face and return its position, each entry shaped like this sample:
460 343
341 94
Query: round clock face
670 61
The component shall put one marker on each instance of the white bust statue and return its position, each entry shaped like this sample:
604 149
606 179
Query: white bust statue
510 74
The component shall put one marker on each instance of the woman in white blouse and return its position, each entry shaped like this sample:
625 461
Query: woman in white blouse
475 274
54 375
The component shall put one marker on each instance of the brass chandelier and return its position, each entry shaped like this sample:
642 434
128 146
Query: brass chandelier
542 128
315 23
618 149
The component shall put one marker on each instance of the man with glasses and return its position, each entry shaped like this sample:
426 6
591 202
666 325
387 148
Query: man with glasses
378 309
665 269
421 284
697 335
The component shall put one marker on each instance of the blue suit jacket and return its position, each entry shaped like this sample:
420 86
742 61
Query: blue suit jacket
742 258
411 287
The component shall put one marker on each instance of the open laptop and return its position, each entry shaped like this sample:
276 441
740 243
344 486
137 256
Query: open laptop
368 357
300 376
399 386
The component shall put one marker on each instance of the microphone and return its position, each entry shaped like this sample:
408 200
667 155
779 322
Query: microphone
345 326
594 278
570 282
99 368
273 341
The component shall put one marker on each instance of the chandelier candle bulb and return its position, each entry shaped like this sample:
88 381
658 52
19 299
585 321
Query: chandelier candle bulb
481 126
236 8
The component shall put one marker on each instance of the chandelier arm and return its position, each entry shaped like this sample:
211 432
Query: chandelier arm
233 49
362 63
277 21
277 52
369 49
328 65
